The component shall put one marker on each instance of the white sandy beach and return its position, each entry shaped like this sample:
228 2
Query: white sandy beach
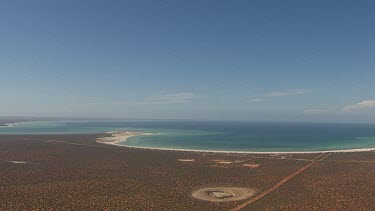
121 136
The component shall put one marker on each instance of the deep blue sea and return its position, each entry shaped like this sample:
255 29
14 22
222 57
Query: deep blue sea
221 136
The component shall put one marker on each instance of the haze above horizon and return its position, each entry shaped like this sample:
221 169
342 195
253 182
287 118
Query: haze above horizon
233 60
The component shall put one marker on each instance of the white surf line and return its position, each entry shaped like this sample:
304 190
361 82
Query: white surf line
124 138
247 152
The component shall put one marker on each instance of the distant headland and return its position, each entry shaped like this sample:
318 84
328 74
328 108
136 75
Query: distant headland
5 125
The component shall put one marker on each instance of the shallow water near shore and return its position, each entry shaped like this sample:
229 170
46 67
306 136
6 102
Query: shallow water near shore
218 136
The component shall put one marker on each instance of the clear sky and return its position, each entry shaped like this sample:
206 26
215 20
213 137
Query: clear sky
239 60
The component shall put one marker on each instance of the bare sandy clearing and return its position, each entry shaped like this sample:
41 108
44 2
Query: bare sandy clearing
224 194
251 165
18 162
186 160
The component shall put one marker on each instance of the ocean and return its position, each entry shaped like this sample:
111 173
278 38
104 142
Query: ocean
218 135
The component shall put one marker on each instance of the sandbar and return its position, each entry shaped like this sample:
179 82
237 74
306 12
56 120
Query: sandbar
120 136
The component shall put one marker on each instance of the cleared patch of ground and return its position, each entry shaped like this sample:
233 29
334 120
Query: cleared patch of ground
251 165
224 194
186 160
18 162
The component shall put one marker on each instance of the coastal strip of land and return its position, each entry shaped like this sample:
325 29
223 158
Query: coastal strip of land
120 136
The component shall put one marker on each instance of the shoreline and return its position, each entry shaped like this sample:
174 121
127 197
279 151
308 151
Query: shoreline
119 136
122 136
6 125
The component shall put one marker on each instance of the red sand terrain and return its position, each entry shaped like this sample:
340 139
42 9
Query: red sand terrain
75 172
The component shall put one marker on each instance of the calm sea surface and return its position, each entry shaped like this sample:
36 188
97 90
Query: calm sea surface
226 136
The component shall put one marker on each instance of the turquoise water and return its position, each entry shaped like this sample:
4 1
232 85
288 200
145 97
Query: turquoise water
221 136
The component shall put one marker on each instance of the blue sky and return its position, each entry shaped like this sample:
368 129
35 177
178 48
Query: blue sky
238 60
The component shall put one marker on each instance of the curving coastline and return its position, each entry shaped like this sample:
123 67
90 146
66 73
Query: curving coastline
121 136
6 125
